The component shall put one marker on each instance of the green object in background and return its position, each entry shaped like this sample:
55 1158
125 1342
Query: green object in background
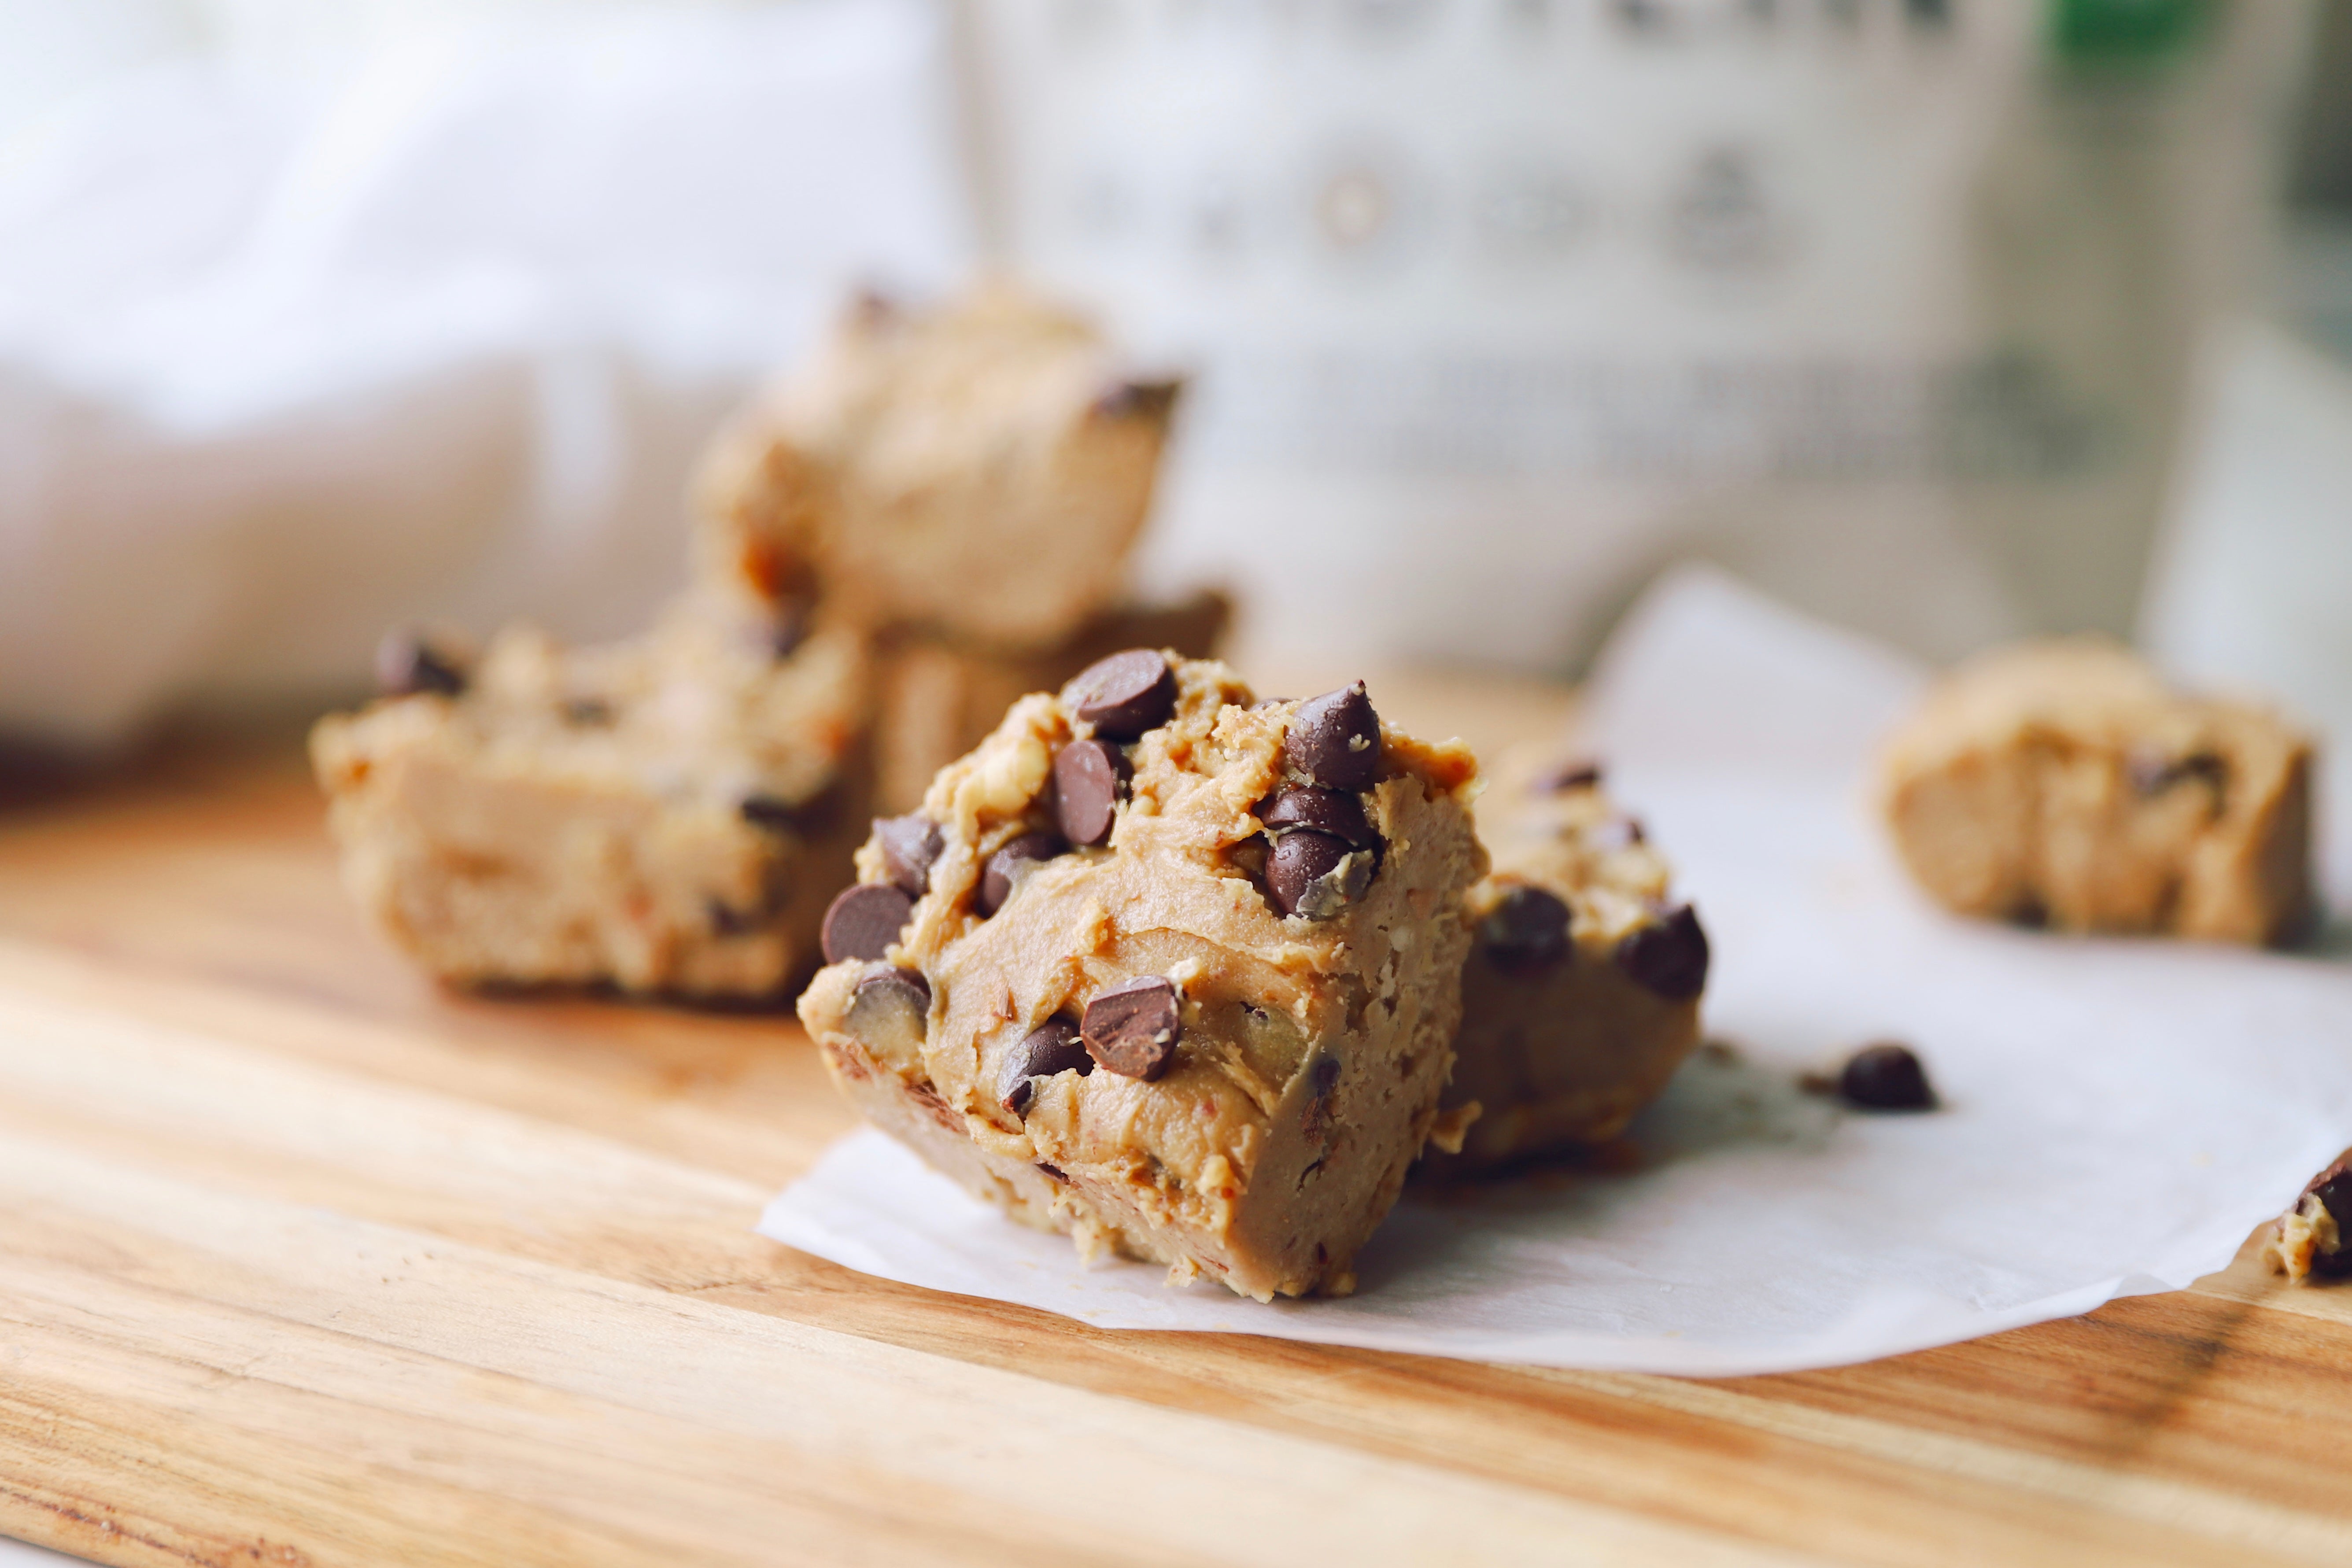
2101 32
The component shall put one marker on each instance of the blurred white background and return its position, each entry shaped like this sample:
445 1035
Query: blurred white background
1945 318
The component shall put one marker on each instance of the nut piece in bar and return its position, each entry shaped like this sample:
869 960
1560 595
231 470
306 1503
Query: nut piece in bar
1580 997
2062 782
666 814
1142 1042
981 469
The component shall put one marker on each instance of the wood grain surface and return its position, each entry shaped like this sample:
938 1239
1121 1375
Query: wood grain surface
304 1261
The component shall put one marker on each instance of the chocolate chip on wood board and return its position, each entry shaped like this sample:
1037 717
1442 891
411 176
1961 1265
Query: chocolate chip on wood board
1315 875
1053 1046
909 846
1526 932
1668 957
1007 867
1324 810
864 921
1089 776
405 663
1124 695
1334 741
1132 1029
1885 1076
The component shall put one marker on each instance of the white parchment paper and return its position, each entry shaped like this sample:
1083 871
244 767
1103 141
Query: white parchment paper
2117 1115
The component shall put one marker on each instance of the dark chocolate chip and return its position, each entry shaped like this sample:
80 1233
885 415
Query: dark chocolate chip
1324 810
726 920
1526 932
1089 776
910 844
1568 776
1320 1087
1008 866
1055 1172
1617 833
772 813
1124 695
406 664
2151 772
1132 1029
1315 874
1668 956
787 626
916 990
864 921
2333 1188
1053 1046
587 710
1885 1076
1334 741
1152 399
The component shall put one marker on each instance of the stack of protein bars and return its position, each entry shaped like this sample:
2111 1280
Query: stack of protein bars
932 517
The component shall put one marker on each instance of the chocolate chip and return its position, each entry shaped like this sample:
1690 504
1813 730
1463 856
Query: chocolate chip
1315 874
774 812
1526 932
910 844
865 920
1668 956
1885 1076
1334 741
1324 810
405 663
1124 695
915 989
1089 776
1151 399
587 710
1320 1087
1568 776
787 627
1008 866
1132 1029
727 920
1055 1172
2151 772
1617 833
1053 1046
2333 1186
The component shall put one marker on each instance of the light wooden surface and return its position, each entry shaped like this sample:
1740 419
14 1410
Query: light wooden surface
305 1262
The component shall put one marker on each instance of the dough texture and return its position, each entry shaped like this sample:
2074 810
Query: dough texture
1305 1073
2060 781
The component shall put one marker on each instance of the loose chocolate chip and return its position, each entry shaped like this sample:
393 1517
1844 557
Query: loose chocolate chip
1053 1046
1315 874
1334 741
587 710
1124 695
1138 399
1668 956
1885 1076
1132 1029
1088 779
1008 866
1527 933
1324 810
406 664
910 844
864 921
1567 777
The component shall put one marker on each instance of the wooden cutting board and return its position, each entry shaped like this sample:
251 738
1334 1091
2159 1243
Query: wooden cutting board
304 1261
